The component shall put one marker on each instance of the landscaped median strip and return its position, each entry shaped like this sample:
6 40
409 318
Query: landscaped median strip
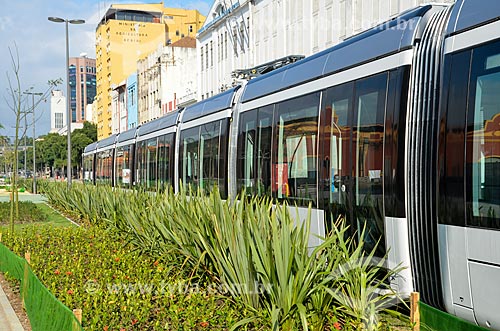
45 312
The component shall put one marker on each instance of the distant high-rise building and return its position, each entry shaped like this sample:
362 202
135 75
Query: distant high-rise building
82 84
127 33
57 111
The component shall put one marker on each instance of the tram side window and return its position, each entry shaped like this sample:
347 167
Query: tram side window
222 157
151 161
88 168
295 163
246 151
104 168
337 105
264 149
254 152
140 163
368 149
190 157
202 156
123 175
209 156
165 149
482 139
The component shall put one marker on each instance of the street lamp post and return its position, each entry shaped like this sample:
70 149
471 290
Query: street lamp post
68 91
33 119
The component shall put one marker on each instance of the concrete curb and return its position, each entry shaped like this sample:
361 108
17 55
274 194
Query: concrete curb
8 318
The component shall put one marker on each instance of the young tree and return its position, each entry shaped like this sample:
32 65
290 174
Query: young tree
17 102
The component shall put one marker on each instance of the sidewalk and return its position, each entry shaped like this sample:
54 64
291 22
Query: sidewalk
8 318
23 196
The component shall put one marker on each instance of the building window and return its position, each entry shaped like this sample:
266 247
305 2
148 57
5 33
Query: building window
58 119
206 56
211 53
219 48
225 43
235 40
201 52
242 36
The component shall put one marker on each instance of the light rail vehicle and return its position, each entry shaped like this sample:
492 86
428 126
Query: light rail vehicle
396 129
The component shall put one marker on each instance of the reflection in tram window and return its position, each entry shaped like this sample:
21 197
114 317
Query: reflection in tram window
88 168
264 148
123 160
165 166
294 166
104 167
254 152
337 105
246 150
151 164
483 139
140 163
202 154
335 184
368 140
209 156
189 158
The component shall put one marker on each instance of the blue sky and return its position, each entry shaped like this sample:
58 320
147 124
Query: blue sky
41 44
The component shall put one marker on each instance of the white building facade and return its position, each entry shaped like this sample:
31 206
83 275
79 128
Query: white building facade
57 111
166 79
224 45
241 35
89 113
119 108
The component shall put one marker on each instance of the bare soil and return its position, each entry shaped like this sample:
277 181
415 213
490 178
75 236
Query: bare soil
11 289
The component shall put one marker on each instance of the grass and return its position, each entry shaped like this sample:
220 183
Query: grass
54 218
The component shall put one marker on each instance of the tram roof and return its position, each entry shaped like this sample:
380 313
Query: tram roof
389 37
90 148
109 141
467 14
127 135
209 106
161 123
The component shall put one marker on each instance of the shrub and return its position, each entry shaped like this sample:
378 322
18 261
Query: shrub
116 287
252 248
28 213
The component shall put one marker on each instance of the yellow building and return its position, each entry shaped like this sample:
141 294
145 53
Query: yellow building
128 33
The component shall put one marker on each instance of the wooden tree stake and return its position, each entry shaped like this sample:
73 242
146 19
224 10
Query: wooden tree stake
415 311
27 256
78 315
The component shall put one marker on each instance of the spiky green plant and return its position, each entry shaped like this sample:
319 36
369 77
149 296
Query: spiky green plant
251 248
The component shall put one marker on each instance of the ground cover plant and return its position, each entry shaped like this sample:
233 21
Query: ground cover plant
252 250
116 287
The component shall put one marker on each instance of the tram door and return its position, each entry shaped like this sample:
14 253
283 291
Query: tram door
354 115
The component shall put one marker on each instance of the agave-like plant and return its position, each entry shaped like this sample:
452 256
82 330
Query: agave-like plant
359 284
251 248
